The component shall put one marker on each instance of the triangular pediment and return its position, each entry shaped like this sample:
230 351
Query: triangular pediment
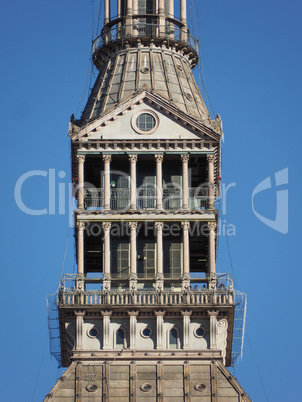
172 123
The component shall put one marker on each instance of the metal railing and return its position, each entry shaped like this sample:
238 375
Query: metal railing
146 198
93 198
170 32
198 197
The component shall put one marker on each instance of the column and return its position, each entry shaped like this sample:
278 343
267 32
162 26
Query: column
80 227
161 20
186 252
212 248
133 320
171 8
159 255
183 19
106 329
107 12
133 256
159 181
81 160
159 329
106 270
186 328
129 17
135 21
185 181
107 160
211 184
213 328
133 160
79 329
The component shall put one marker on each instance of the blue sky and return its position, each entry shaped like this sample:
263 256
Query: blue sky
251 57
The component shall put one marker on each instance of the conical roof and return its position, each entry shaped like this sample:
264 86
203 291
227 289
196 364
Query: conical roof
162 71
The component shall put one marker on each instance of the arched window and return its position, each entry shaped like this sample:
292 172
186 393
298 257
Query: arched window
174 338
120 339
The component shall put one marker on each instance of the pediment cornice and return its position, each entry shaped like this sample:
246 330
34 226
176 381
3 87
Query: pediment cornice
202 128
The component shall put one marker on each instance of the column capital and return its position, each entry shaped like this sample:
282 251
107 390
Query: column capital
106 313
212 225
159 225
160 313
107 158
133 313
81 158
185 225
80 225
106 225
159 158
186 313
211 158
132 225
132 158
185 157
79 313
213 313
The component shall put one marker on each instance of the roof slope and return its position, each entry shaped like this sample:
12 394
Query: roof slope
162 71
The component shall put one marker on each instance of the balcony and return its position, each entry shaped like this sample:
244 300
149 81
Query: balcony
152 298
146 198
169 32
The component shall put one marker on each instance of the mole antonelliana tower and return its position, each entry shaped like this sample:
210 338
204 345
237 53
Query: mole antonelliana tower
146 317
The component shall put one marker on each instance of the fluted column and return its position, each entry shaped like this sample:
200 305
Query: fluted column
186 250
107 160
133 160
185 181
133 321
212 248
159 181
80 238
106 271
81 160
186 328
213 328
159 255
159 329
133 256
106 329
135 21
211 184
79 329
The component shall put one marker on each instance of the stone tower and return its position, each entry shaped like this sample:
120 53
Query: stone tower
146 317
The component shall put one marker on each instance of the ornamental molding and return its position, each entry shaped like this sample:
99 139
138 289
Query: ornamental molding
163 105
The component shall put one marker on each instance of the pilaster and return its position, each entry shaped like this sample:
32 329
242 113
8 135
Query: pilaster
106 329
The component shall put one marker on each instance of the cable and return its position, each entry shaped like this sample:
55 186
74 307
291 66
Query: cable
39 371
65 252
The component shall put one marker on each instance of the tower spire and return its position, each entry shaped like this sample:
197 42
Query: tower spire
146 315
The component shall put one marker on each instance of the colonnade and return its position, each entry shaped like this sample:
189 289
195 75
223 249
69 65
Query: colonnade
133 158
159 251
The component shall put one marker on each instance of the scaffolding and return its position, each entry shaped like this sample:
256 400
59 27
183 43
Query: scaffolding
239 326
238 329
53 326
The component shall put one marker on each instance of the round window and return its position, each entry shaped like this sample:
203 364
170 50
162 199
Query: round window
146 332
146 387
200 387
145 122
93 332
199 332
92 387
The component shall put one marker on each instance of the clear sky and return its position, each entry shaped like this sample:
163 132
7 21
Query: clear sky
251 56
